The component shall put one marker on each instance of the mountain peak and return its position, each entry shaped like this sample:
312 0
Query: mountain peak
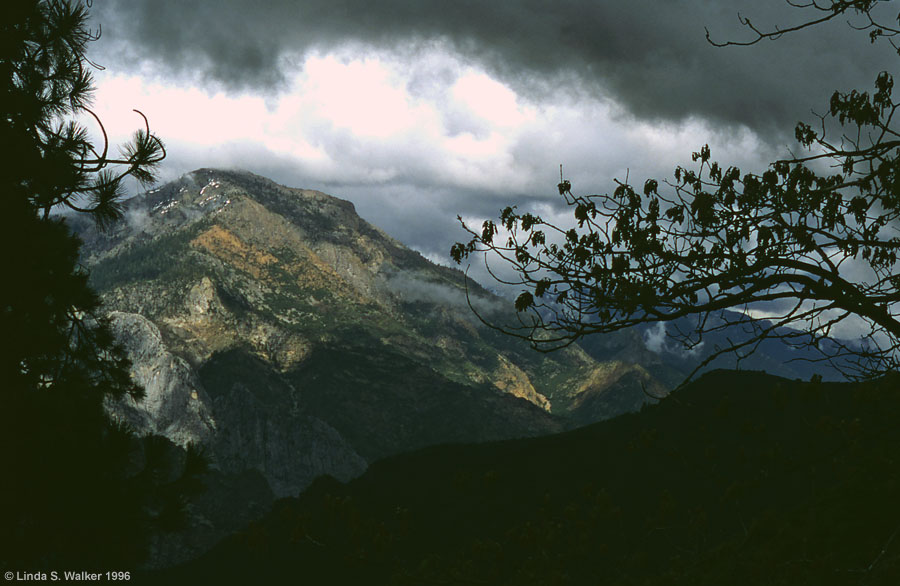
208 190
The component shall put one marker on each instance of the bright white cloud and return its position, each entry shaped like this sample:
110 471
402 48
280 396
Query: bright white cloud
364 96
369 125
490 100
179 113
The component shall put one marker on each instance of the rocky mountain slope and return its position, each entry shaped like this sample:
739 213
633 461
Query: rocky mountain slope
279 329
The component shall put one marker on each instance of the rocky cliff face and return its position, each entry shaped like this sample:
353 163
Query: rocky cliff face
241 430
175 404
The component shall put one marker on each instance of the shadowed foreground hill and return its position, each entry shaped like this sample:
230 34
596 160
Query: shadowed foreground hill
742 478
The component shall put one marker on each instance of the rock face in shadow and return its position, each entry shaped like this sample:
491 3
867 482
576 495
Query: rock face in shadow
264 426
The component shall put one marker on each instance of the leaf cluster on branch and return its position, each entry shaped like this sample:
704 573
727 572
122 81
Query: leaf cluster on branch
813 240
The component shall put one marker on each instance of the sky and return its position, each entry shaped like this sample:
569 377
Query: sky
418 111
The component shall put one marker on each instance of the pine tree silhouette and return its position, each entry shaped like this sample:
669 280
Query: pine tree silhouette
77 490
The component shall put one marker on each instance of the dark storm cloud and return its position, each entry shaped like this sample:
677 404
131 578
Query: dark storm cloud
649 55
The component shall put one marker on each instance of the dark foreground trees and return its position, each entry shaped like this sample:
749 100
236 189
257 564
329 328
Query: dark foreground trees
77 491
811 248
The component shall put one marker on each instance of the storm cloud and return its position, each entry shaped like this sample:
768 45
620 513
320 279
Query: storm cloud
418 111
651 57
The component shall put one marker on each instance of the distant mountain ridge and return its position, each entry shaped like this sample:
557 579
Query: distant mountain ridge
663 355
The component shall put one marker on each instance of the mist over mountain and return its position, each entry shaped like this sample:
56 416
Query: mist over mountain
660 349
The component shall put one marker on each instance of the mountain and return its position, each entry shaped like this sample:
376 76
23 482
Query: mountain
291 339
739 478
656 348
